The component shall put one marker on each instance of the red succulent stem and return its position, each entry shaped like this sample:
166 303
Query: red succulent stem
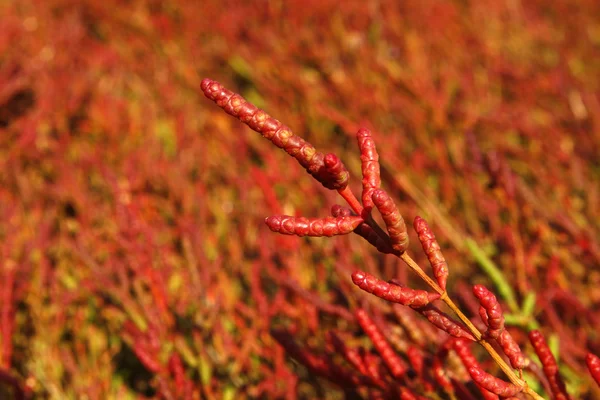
316 227
328 170
493 384
479 376
369 165
394 364
438 371
353 357
442 321
147 359
593 364
320 365
7 313
393 219
549 365
490 311
376 235
366 231
432 250
391 292
512 350
348 195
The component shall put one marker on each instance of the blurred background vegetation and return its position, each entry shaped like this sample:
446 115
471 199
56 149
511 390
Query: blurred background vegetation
134 261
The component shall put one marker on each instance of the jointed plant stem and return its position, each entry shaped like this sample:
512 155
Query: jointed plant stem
353 202
351 199
430 282
329 170
474 331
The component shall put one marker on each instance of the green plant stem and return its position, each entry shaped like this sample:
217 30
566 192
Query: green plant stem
494 273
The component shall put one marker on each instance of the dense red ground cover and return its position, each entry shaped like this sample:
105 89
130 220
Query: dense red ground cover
134 258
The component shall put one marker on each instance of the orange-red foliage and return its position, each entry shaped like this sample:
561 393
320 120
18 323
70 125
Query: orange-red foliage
134 261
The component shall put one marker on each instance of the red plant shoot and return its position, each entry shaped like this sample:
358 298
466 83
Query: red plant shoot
369 165
490 311
433 251
391 292
300 226
593 364
331 173
395 364
557 385
134 261
392 218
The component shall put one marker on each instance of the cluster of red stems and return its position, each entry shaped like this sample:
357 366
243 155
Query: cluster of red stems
389 375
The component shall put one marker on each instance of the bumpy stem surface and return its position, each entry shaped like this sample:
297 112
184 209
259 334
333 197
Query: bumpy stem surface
510 373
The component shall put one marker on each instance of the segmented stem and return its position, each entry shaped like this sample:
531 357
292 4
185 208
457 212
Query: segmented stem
394 364
490 311
369 165
443 321
328 170
479 376
432 250
316 227
557 385
393 219
391 292
593 364
365 231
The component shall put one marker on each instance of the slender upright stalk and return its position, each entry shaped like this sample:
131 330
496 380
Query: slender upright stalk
352 201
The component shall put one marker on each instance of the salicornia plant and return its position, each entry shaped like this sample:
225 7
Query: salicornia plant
389 375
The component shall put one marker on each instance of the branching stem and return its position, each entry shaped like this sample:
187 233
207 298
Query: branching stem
353 202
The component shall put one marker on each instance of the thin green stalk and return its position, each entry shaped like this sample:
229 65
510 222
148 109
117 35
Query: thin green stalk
495 274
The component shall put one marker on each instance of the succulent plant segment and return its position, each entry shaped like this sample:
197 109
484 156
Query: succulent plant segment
393 220
327 169
396 365
593 364
549 365
317 227
370 166
433 251
391 292
490 311
394 240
